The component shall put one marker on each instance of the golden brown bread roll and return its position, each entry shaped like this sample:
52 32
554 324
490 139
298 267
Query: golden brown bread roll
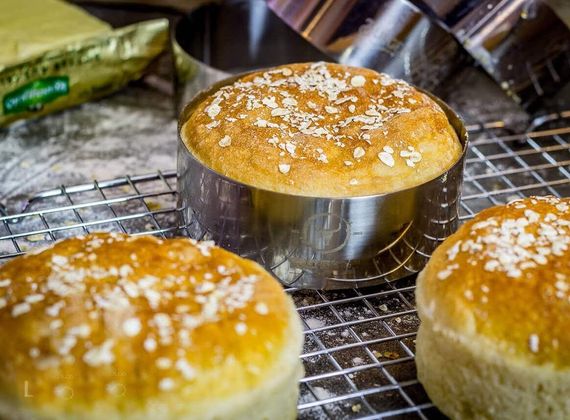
322 129
108 326
494 301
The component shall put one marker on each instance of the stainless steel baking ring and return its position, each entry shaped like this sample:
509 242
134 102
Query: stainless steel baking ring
219 39
411 39
317 242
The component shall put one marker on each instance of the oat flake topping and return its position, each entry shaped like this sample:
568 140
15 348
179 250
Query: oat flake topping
289 117
514 245
91 310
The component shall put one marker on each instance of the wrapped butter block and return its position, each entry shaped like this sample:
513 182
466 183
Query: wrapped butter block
30 27
54 55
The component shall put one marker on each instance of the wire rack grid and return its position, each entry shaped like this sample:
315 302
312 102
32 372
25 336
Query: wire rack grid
359 343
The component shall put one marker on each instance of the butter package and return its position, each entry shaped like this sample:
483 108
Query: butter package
54 55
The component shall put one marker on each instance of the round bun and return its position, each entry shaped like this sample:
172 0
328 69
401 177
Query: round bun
494 304
320 129
109 326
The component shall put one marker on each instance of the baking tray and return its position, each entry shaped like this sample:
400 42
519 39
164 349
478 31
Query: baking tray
359 343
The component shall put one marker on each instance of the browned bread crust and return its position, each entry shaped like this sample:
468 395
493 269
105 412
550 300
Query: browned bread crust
321 129
123 322
505 276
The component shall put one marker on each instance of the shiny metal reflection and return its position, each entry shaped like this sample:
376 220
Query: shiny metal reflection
391 36
219 39
522 44
317 242
223 38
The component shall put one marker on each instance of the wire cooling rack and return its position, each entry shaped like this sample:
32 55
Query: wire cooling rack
359 343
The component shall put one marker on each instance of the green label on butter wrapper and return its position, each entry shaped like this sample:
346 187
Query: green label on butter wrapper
34 95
